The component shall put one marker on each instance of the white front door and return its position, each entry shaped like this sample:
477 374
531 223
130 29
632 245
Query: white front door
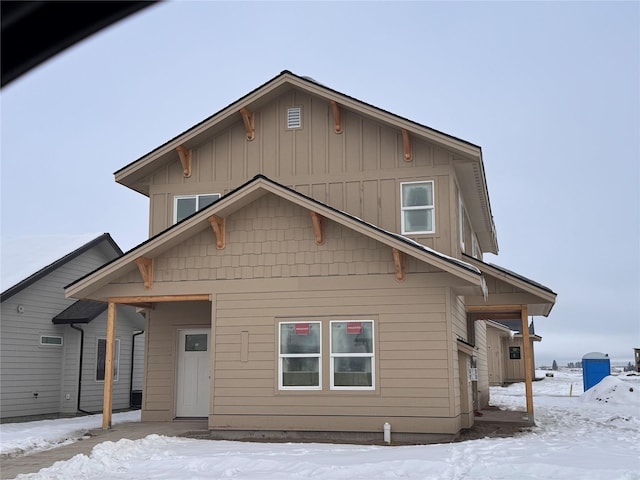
194 378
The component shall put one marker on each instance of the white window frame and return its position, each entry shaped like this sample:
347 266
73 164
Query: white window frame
371 355
461 215
282 356
47 344
475 247
197 199
404 209
116 359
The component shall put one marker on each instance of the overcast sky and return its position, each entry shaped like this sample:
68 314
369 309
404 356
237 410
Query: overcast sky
549 90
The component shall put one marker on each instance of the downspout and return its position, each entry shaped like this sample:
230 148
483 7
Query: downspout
80 368
133 352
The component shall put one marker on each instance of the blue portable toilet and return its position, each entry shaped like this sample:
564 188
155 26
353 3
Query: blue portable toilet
595 366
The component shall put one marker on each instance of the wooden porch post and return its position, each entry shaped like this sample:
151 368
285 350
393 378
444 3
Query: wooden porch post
528 366
108 366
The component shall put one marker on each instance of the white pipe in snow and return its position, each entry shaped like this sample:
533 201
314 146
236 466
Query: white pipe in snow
387 432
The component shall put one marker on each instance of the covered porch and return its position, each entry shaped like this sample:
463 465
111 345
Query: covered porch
510 296
149 303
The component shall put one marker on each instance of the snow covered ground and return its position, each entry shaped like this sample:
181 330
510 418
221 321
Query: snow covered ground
593 435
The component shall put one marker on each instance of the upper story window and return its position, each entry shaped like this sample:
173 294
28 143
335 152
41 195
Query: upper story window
461 222
186 205
475 248
417 207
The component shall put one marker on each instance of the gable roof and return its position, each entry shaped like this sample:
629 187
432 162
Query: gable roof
261 95
242 196
546 296
467 159
31 279
514 327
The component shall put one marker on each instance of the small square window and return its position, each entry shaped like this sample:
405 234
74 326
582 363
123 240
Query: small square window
195 342
514 353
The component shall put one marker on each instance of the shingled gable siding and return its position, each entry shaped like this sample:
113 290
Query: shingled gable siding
367 158
273 238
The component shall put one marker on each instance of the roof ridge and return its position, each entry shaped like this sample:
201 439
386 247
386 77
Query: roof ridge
34 277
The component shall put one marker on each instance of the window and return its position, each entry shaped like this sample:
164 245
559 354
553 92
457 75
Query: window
352 358
53 340
461 222
101 358
294 117
514 353
195 342
417 207
475 247
300 353
186 205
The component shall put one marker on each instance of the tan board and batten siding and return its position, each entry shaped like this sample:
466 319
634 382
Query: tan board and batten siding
275 272
271 269
317 162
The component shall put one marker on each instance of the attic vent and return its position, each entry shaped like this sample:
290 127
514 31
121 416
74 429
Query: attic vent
294 117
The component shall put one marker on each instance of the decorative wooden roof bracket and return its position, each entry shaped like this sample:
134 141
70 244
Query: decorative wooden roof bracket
337 116
316 218
398 259
217 224
185 159
145 265
249 125
408 154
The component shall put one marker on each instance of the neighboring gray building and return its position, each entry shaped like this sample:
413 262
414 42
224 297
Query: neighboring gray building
46 340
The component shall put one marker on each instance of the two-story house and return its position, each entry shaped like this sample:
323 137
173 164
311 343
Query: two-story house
314 270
